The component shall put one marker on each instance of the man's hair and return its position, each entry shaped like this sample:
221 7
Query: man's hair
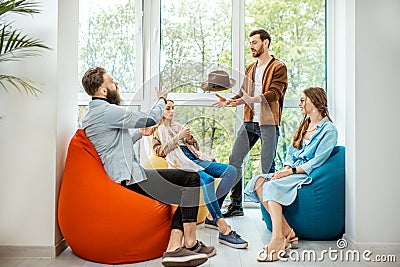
264 35
93 79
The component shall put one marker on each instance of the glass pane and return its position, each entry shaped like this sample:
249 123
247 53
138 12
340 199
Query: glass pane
107 39
82 110
291 118
195 39
213 128
297 29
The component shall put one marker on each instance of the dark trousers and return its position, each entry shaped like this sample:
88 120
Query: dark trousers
246 138
172 186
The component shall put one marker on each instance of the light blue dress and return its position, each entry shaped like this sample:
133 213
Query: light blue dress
310 156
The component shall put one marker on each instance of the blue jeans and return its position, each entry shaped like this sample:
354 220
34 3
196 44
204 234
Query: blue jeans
212 198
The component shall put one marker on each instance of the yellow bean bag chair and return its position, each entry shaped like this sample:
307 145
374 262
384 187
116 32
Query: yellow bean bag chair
155 162
103 221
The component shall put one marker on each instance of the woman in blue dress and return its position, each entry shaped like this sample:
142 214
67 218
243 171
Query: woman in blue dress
312 144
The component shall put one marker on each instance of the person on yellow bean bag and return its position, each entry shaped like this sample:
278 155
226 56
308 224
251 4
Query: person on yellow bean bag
177 145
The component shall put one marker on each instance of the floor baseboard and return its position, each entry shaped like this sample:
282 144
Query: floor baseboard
33 251
367 245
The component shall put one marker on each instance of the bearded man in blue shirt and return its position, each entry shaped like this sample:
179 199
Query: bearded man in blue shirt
108 125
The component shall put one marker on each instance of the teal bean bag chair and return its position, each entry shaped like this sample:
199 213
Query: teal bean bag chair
318 213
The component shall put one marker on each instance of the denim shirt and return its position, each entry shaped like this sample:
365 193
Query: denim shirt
317 151
108 128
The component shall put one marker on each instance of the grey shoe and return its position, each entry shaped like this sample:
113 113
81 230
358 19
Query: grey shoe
232 240
203 249
183 257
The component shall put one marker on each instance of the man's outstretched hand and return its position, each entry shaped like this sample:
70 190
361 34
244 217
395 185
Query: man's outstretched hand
222 101
161 93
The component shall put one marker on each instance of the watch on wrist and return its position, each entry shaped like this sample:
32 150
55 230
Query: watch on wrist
294 171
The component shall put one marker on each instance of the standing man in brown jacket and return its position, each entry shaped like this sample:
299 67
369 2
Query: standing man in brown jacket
262 93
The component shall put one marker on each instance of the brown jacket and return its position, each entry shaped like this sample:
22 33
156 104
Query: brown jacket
274 87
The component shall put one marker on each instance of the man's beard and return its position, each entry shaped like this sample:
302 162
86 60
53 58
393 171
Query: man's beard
113 97
258 52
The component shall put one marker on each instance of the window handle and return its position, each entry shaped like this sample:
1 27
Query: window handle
155 37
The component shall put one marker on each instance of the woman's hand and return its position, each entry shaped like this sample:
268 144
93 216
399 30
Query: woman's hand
281 174
147 131
184 133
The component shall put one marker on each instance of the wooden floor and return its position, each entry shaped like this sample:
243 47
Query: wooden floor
252 228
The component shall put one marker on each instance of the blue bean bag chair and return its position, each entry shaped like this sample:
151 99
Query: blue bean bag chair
318 213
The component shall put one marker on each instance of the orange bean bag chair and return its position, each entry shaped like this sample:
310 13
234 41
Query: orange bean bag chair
101 220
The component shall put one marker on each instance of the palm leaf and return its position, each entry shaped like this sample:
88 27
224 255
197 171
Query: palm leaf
17 83
21 7
14 45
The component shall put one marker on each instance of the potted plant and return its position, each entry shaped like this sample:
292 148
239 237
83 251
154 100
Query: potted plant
15 46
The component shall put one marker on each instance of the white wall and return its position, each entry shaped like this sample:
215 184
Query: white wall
366 84
67 81
377 91
35 131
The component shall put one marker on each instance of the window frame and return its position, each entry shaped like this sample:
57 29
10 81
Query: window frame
148 36
129 98
148 19
238 55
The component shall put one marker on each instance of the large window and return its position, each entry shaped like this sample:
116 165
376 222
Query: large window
195 39
109 37
174 44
